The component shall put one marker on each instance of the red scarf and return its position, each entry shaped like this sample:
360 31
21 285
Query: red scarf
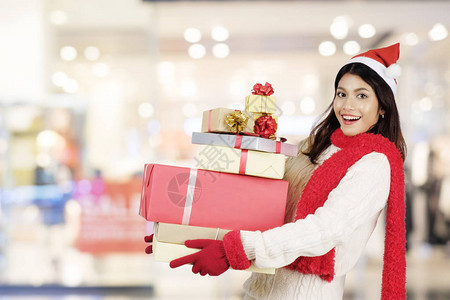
327 176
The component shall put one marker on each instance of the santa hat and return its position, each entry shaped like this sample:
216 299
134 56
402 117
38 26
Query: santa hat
383 61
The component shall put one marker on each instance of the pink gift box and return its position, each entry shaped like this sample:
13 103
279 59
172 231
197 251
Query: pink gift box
197 197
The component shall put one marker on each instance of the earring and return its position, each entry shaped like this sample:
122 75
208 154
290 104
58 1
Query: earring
382 116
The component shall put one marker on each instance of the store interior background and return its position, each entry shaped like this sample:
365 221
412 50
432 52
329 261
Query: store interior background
90 91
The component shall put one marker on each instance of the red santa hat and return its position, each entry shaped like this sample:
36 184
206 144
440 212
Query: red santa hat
384 62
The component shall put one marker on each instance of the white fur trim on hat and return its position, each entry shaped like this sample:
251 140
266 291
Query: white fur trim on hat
394 71
377 67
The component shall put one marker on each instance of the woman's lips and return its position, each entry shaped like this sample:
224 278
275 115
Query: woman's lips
349 119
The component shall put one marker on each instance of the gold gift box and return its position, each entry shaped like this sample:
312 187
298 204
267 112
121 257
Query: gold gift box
260 104
214 120
168 242
228 160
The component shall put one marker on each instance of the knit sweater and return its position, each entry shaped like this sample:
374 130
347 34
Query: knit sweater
345 222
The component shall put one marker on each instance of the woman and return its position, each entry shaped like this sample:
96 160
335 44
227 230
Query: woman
346 172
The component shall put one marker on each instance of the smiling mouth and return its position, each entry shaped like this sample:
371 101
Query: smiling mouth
350 119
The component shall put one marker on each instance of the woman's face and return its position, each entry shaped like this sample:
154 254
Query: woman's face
355 105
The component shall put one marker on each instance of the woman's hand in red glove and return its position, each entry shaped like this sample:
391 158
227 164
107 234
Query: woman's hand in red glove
149 239
211 260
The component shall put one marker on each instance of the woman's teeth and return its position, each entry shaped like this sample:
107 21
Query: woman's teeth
350 118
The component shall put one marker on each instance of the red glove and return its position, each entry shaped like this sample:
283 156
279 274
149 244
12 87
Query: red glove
211 260
149 239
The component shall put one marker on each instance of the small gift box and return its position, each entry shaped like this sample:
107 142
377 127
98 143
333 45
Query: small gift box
238 161
260 104
261 101
168 242
203 198
226 120
244 142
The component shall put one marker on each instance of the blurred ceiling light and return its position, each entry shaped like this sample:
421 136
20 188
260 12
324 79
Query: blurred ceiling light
351 47
307 105
339 27
438 32
188 88
58 17
192 35
327 48
91 53
146 110
411 39
100 69
68 53
197 51
59 78
220 34
287 108
70 86
425 104
366 31
47 139
190 110
221 50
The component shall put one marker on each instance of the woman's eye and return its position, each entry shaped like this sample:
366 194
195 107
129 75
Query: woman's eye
340 94
362 96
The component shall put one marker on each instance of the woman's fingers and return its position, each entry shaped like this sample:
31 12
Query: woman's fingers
188 259
148 238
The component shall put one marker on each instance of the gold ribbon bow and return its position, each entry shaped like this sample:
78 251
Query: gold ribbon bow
237 121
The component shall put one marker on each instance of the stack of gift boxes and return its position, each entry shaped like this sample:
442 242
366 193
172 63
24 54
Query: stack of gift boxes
237 183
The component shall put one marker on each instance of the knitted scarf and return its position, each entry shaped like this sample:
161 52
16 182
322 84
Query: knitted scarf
327 176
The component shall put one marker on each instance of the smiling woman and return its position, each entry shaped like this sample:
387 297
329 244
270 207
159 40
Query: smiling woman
346 172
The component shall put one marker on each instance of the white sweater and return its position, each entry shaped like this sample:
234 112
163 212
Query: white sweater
345 223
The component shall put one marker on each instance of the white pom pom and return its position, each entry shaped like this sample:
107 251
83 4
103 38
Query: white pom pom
394 71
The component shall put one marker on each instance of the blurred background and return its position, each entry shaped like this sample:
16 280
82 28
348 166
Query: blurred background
90 91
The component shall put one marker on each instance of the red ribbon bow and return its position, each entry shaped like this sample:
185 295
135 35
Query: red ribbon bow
266 127
264 90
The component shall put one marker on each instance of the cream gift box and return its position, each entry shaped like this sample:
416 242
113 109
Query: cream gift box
168 242
260 104
238 161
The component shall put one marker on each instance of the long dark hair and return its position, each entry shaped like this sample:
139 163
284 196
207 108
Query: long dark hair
389 126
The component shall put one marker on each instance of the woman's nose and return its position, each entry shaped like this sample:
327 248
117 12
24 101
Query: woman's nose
349 103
